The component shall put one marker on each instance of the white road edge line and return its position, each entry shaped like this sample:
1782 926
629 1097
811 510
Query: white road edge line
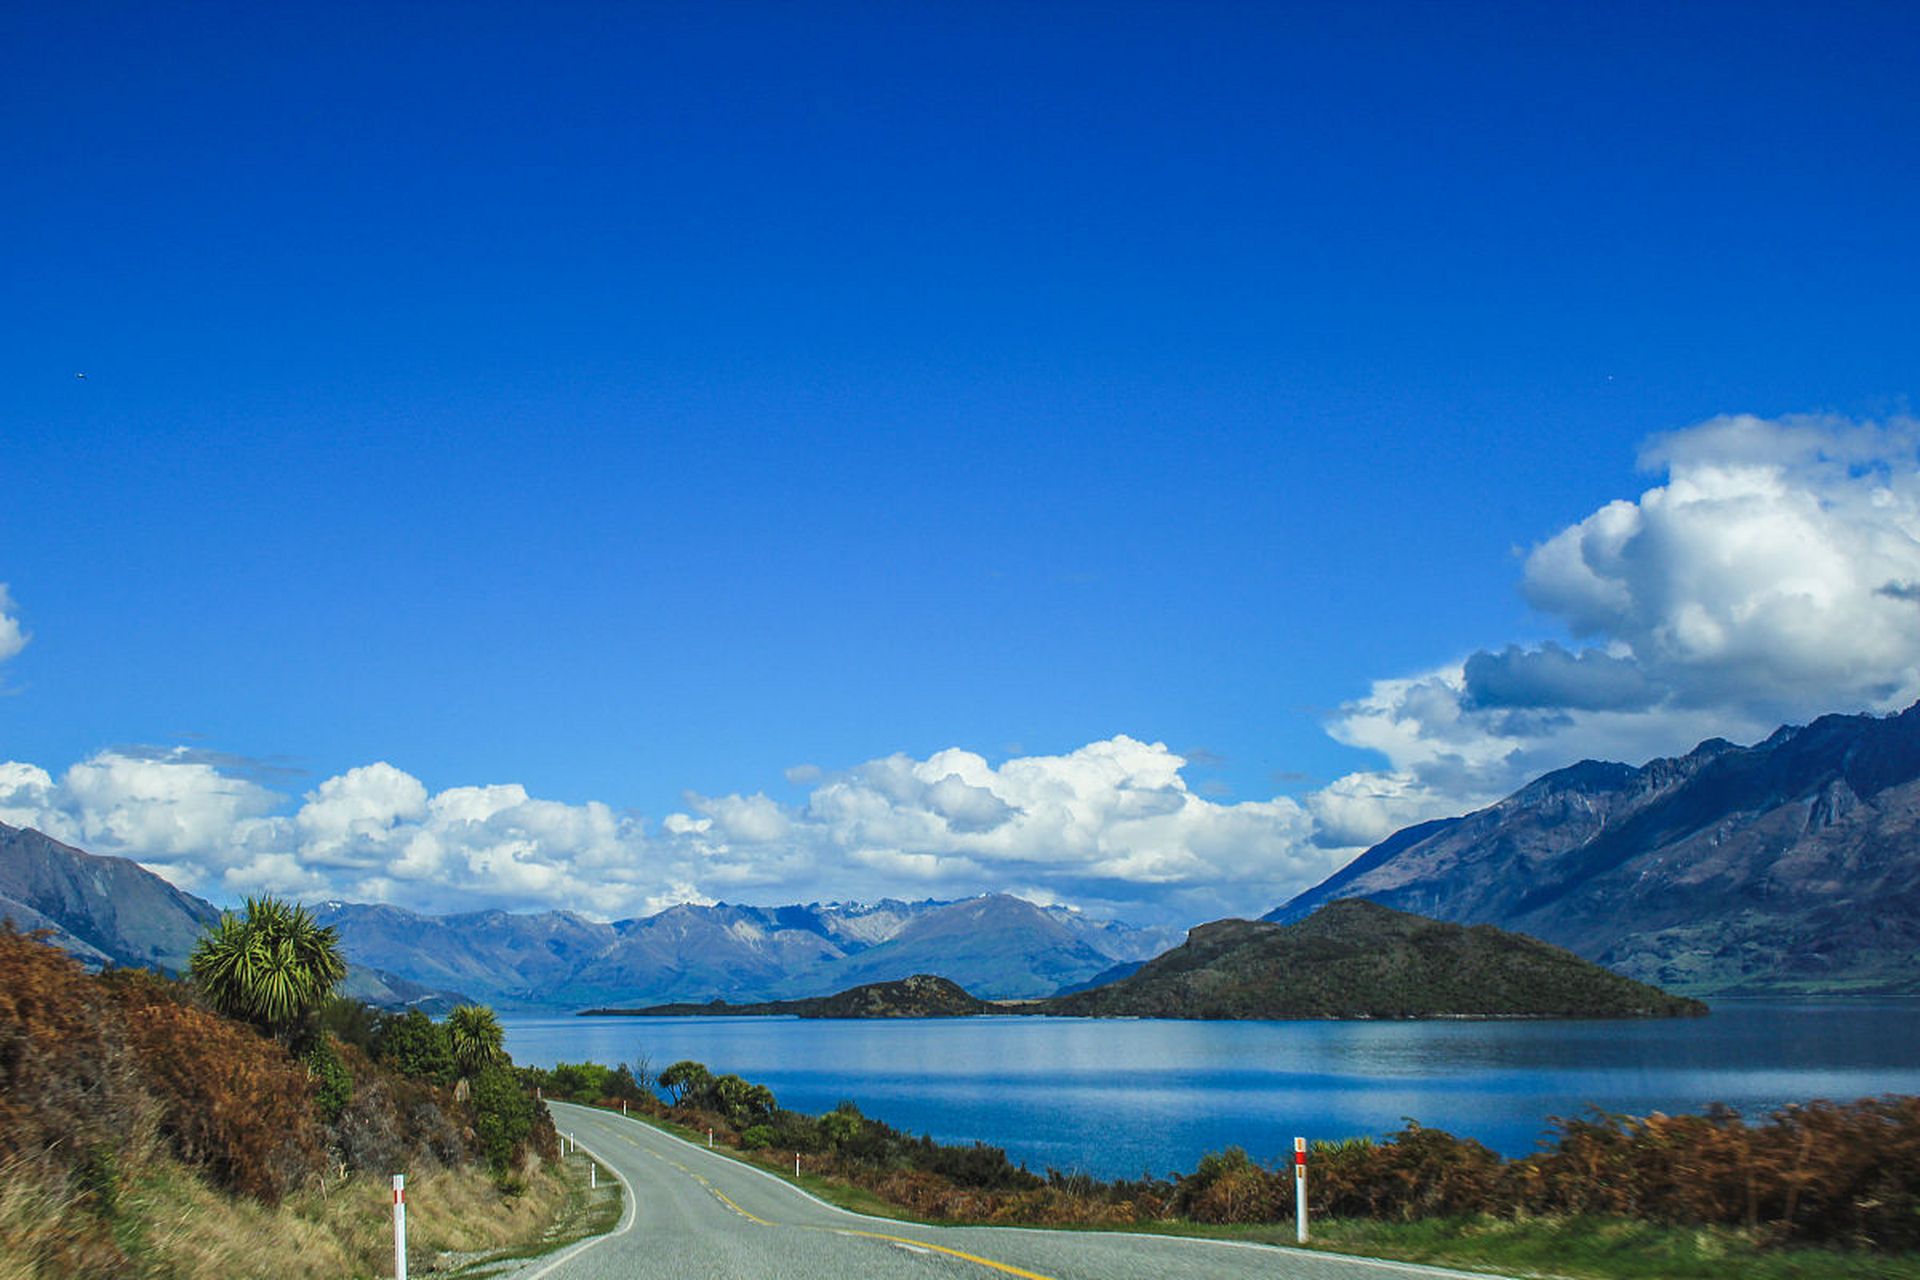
627 1218
1411 1268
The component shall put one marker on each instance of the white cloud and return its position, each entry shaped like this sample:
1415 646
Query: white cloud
1775 568
13 637
1111 823
1773 574
1774 577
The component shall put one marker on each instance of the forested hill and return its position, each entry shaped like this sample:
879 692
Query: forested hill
1354 959
920 996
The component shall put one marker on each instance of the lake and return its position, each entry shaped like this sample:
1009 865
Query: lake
1116 1097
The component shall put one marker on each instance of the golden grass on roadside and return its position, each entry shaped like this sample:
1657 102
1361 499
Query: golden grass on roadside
196 1233
172 1224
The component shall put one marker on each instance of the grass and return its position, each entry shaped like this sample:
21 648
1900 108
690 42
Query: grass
169 1224
1541 1248
588 1211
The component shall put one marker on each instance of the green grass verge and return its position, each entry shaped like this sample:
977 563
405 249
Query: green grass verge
1567 1248
589 1211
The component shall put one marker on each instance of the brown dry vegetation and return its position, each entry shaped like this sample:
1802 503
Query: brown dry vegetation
142 1134
1823 1174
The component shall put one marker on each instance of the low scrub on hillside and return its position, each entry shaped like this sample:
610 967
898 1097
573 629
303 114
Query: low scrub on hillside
135 1121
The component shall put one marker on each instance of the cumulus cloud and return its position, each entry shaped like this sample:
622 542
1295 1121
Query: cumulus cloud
1112 824
1770 579
13 637
1775 567
1771 574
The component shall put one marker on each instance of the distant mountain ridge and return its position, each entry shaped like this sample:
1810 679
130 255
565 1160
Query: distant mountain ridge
995 945
112 911
1791 866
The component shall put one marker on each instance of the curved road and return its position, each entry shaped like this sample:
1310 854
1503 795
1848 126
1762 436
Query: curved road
692 1214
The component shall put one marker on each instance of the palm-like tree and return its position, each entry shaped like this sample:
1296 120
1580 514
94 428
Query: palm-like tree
272 967
476 1037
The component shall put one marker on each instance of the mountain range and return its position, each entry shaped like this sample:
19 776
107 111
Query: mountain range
1791 866
112 911
1788 867
997 946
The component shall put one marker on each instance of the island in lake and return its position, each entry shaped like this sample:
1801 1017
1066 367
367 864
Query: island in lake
1349 959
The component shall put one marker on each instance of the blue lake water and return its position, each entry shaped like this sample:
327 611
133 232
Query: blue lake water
1115 1097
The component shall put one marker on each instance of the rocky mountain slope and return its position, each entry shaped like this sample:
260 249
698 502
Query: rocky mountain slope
997 945
110 911
1789 866
103 910
1354 959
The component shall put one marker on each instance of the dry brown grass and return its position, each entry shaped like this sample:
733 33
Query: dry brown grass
191 1231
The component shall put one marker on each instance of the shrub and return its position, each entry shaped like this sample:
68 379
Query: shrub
503 1115
332 1083
231 1102
416 1046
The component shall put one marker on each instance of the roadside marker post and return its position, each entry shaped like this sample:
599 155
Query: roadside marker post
399 1226
623 1108
1300 1189
796 1164
709 1139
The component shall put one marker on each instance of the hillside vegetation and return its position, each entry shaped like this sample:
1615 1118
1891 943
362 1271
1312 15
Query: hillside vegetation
143 1134
920 996
1353 959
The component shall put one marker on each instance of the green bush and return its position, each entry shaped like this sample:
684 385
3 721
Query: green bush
332 1083
757 1137
503 1116
416 1046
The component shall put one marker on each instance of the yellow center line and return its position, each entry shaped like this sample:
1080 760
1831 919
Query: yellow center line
940 1248
736 1208
976 1259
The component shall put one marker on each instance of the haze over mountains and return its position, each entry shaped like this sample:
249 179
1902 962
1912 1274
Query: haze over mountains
996 946
110 910
1791 865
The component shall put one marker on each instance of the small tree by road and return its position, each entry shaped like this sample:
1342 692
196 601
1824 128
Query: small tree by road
273 967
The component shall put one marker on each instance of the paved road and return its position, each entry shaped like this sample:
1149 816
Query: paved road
695 1215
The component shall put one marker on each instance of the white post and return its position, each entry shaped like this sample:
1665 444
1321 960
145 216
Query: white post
623 1106
796 1164
709 1139
1300 1189
399 1226
593 1176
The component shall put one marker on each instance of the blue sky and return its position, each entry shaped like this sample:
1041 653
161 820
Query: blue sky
639 405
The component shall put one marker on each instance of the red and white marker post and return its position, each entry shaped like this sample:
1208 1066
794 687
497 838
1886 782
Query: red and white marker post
1300 1189
399 1226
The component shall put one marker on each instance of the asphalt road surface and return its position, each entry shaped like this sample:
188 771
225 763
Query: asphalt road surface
692 1214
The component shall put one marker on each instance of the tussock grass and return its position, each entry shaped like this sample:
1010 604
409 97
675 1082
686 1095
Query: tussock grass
166 1223
193 1232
